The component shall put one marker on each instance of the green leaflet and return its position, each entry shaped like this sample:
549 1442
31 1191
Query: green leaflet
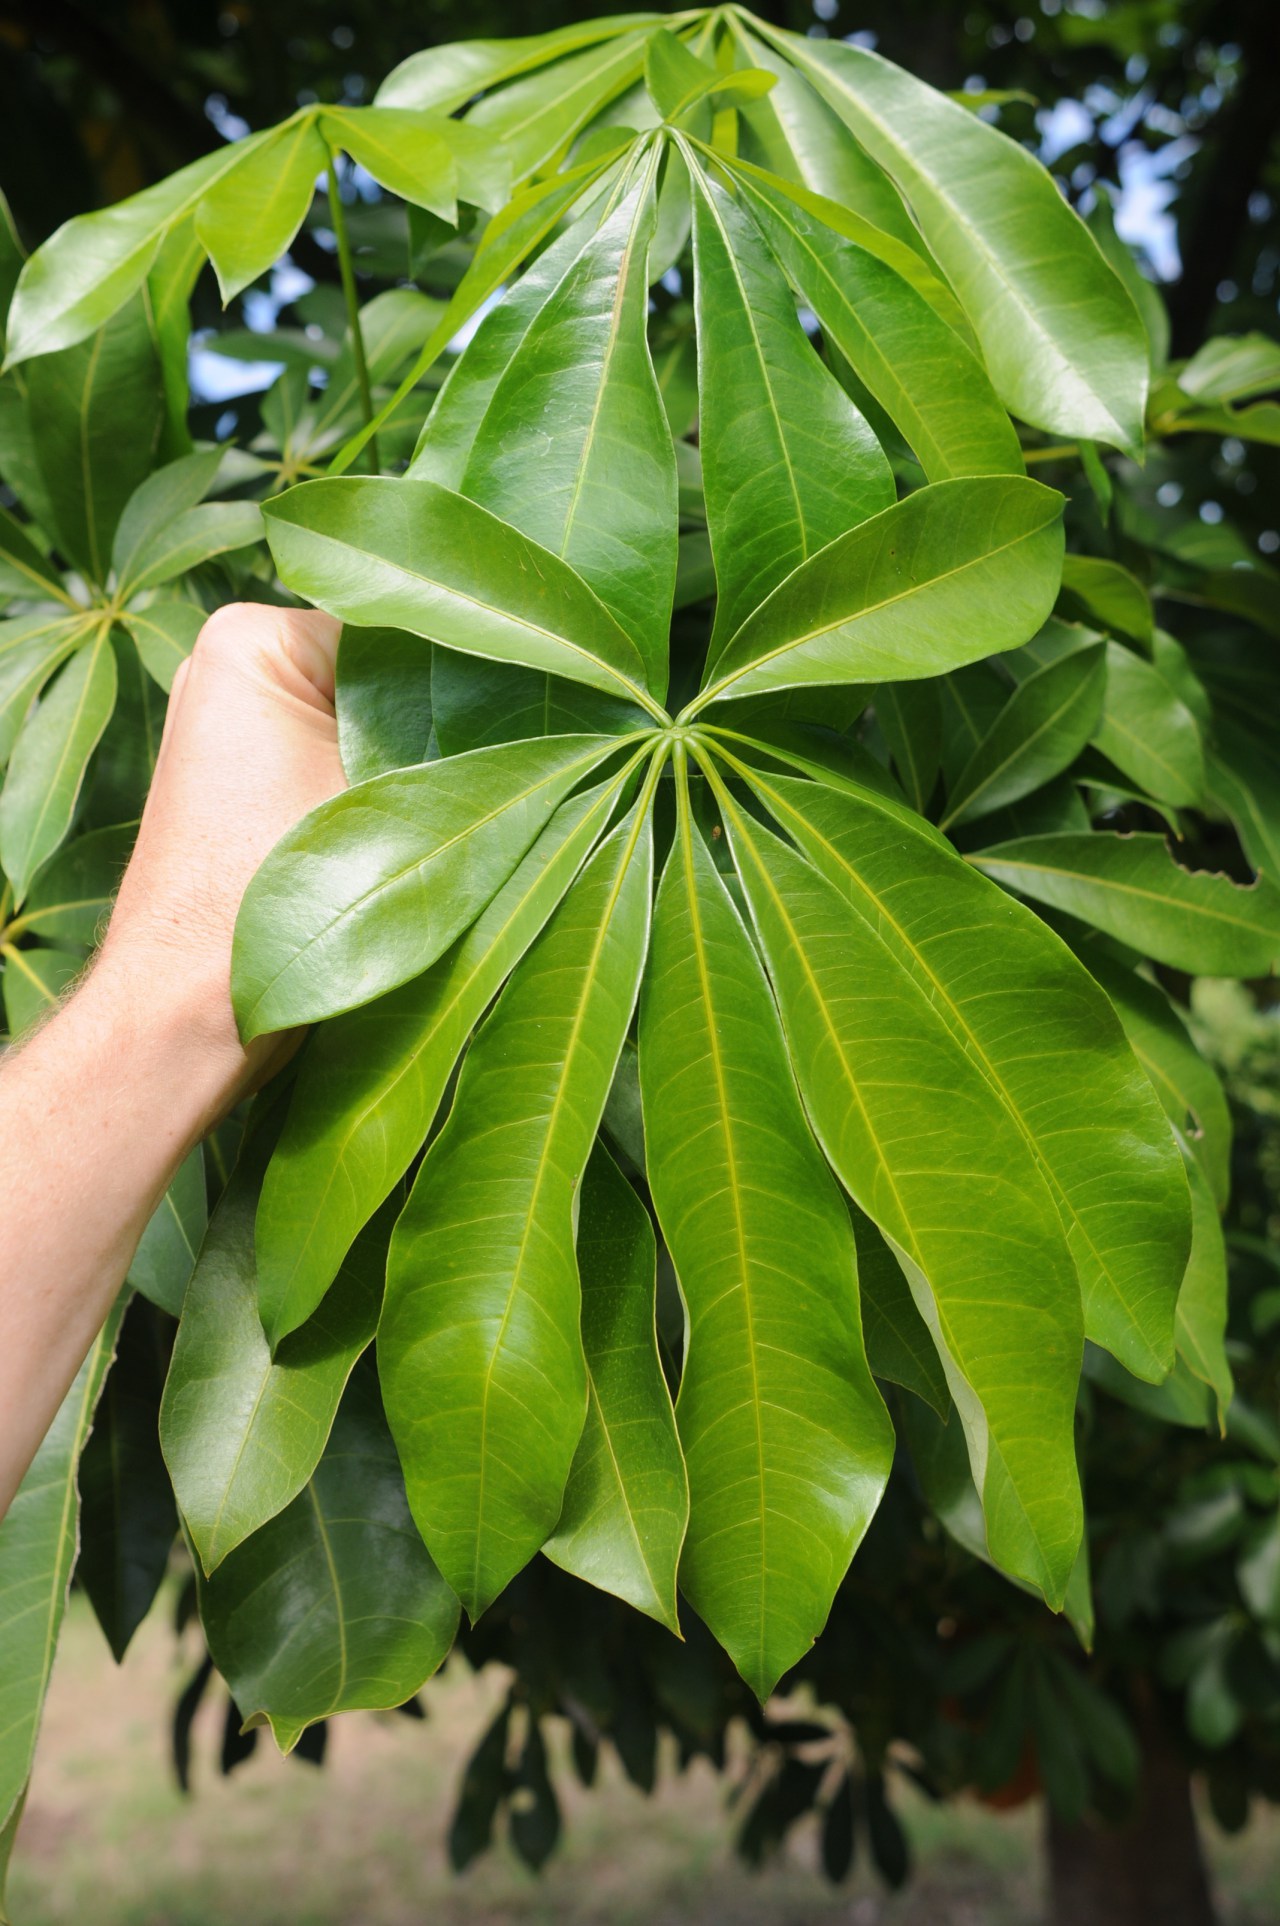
242 1433
1060 334
95 412
899 1346
1202 1301
31 648
373 886
574 448
1028 1014
38 1537
476 704
933 387
449 432
383 698
335 1605
1131 888
406 151
1186 1085
479 1348
910 719
788 462
371 1081
69 899
247 220
26 570
90 267
535 118
785 1437
33 981
1041 730
1242 779
166 1253
195 536
956 571
449 76
1147 732
793 133
412 555
164 634
626 1504
956 1191
128 1520
157 501
1110 596
48 765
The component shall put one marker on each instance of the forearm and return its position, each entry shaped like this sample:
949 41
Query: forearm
97 1111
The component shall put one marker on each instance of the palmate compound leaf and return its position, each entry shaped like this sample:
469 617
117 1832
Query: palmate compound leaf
479 1349
922 1141
1060 334
1031 1018
335 1605
574 448
788 463
786 1439
1131 888
626 1504
242 1433
957 571
372 1080
373 886
411 555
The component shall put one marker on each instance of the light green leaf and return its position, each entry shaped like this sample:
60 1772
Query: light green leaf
1131 888
159 500
536 118
449 76
335 1605
955 1189
626 1504
1202 1301
164 633
956 571
31 648
70 897
1148 733
1061 336
411 555
1232 368
195 536
788 462
25 570
404 150
1038 1028
247 219
38 1536
1040 731
48 765
241 1433
575 450
96 412
1110 596
479 1348
918 368
373 886
794 134
90 267
372 1081
1185 1083
786 1439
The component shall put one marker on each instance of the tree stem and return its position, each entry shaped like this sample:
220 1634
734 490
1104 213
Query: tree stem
347 270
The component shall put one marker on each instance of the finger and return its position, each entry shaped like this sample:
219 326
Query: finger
309 640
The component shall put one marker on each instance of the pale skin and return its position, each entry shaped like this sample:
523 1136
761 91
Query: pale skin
100 1107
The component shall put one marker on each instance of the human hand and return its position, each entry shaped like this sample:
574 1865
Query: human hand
250 745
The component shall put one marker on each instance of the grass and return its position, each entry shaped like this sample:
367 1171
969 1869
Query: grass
108 1838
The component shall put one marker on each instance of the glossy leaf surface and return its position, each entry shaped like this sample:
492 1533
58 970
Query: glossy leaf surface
1040 731
479 1350
786 1440
626 1504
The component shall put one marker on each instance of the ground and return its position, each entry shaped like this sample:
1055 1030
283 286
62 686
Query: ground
109 1841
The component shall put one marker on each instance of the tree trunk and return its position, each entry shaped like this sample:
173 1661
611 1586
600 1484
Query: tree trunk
1149 1869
